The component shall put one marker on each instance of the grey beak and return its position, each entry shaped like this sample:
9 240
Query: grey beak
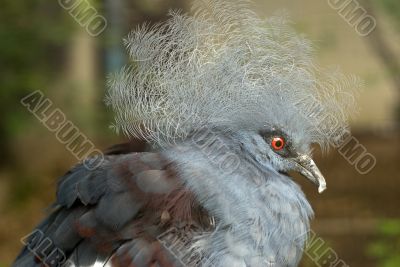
307 167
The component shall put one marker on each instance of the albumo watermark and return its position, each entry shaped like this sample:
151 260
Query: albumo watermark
65 131
355 15
86 15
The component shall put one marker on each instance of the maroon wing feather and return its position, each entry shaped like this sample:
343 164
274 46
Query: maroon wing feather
116 210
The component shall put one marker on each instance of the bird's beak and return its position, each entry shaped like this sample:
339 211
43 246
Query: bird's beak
307 167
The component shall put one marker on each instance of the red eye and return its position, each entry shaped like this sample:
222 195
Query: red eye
277 143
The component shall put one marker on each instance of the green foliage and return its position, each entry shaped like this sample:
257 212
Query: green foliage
33 35
392 8
386 249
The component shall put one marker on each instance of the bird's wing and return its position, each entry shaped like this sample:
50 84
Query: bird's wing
115 211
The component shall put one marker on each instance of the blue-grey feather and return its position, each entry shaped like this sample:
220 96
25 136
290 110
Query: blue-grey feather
115 210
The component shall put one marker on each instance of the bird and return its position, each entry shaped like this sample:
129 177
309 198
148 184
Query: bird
228 104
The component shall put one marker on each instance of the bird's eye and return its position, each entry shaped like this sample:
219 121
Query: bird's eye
277 143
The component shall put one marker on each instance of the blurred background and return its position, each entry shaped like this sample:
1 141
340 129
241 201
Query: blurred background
43 46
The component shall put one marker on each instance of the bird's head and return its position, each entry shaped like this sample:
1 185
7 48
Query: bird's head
284 152
226 67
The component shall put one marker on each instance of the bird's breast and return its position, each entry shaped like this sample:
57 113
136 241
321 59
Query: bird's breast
261 216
